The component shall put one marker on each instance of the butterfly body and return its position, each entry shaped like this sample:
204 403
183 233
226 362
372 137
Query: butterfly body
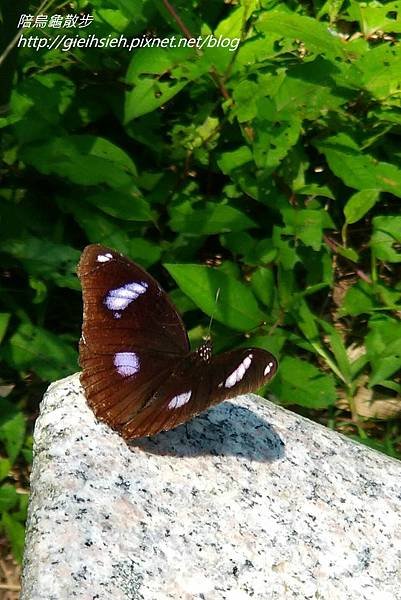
138 371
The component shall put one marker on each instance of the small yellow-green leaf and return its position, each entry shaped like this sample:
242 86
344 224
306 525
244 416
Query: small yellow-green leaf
359 204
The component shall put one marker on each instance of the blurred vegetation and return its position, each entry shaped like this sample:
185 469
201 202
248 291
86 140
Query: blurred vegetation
270 170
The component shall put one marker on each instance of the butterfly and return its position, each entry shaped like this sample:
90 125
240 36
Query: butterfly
138 372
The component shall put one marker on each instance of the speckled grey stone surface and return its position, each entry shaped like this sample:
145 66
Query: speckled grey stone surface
246 501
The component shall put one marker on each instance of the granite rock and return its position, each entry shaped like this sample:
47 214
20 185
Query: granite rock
247 500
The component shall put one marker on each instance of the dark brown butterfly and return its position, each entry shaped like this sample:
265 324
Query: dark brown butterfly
139 374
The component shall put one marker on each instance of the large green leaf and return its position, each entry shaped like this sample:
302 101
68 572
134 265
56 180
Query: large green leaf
316 36
386 238
98 227
45 259
299 382
375 16
84 159
235 307
128 207
178 66
358 300
33 348
215 218
305 224
310 90
379 73
275 133
357 169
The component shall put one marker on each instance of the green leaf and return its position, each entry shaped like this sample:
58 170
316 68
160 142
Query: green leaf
8 497
306 321
16 534
287 254
314 190
128 207
359 204
386 238
262 282
215 218
236 306
148 65
310 90
144 252
40 289
379 73
358 300
357 169
338 348
44 259
229 161
148 95
316 36
375 16
239 242
98 227
245 95
275 133
83 159
347 253
115 18
12 429
5 466
299 382
32 348
272 343
233 25
304 224
4 320
383 344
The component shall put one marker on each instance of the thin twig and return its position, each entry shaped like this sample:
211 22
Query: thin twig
10 587
333 245
178 20
18 35
213 73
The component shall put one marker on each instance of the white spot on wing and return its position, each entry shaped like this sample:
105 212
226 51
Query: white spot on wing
268 368
239 372
126 363
179 400
104 257
122 297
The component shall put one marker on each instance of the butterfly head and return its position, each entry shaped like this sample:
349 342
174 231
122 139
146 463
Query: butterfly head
205 350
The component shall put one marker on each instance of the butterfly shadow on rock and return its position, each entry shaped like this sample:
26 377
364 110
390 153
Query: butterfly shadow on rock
224 430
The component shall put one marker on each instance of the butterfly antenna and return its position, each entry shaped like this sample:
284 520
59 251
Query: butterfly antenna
213 313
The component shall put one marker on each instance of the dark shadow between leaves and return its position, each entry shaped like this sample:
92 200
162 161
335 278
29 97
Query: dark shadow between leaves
224 430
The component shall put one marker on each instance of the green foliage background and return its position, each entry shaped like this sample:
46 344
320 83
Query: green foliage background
271 171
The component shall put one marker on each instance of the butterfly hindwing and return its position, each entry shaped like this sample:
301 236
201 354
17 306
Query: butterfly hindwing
119 384
196 385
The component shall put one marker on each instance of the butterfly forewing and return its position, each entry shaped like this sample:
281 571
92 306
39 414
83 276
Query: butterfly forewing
138 372
131 334
122 299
